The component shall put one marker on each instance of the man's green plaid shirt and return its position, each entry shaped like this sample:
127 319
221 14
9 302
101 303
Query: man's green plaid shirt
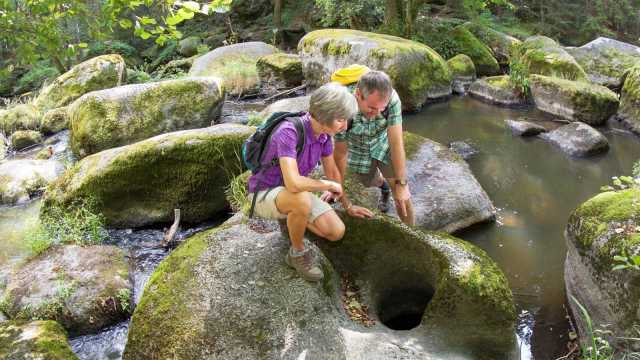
367 139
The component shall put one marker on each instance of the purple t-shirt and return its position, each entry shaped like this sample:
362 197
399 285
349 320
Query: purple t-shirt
283 144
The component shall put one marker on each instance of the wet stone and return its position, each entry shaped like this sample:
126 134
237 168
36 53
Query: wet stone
524 128
463 148
578 139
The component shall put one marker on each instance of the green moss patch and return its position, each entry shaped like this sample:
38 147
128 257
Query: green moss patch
37 340
461 66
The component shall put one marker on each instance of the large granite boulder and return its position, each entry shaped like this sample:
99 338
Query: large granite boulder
84 288
446 195
235 65
142 183
295 104
280 71
419 74
463 72
605 226
499 43
34 340
629 111
544 56
114 117
606 60
21 179
573 100
24 138
228 292
20 117
578 139
468 44
101 72
497 90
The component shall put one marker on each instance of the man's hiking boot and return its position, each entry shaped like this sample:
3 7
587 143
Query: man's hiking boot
305 266
385 200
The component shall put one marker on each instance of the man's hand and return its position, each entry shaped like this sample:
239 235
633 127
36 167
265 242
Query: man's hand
359 212
402 196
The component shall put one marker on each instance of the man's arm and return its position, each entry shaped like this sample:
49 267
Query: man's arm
398 163
295 183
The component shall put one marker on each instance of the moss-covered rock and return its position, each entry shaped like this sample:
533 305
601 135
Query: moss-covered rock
142 183
605 226
463 72
20 117
126 114
235 65
497 90
21 179
280 70
45 340
418 73
189 46
202 300
573 100
24 138
483 59
544 56
101 72
500 43
83 288
606 60
629 111
55 120
296 104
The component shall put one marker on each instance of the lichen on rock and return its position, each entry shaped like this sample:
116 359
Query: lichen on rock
24 138
544 56
500 43
629 111
418 73
280 70
497 90
55 120
34 340
483 59
20 117
463 72
114 117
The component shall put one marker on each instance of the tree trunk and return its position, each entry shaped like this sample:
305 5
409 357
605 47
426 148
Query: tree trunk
59 65
392 15
277 13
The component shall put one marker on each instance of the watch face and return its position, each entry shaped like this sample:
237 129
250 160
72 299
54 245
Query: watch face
401 181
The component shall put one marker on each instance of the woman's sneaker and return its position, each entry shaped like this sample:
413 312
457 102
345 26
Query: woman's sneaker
305 265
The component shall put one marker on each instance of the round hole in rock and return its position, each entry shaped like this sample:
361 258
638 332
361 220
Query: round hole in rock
402 308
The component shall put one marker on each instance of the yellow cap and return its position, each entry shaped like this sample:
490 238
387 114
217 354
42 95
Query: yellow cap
349 74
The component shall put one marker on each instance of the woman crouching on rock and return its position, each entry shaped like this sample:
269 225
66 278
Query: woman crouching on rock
284 190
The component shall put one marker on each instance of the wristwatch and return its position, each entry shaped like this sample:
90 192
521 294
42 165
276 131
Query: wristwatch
401 181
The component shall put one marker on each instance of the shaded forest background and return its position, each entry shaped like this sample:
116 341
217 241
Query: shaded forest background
40 39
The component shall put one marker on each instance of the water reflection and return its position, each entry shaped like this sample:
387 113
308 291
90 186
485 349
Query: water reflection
535 187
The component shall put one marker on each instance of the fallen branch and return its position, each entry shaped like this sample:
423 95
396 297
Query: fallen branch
286 92
171 233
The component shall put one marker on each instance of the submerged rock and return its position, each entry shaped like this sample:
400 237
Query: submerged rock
462 71
228 292
120 116
578 139
605 226
20 179
419 74
24 138
466 43
606 60
463 148
544 56
234 64
524 128
34 340
20 117
101 72
141 184
280 71
573 100
84 288
497 90
629 112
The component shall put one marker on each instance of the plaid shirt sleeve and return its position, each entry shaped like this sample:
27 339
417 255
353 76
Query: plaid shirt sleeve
395 110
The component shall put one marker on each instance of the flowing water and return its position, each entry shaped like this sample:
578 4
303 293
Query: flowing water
535 187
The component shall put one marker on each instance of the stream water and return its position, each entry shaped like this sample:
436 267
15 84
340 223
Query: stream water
535 187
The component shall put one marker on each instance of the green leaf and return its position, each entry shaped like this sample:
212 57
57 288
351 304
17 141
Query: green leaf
620 258
186 14
160 40
619 267
125 23
191 6
82 45
627 180
174 19
147 20
636 259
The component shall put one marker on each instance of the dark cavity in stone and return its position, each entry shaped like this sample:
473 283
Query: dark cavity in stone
402 308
